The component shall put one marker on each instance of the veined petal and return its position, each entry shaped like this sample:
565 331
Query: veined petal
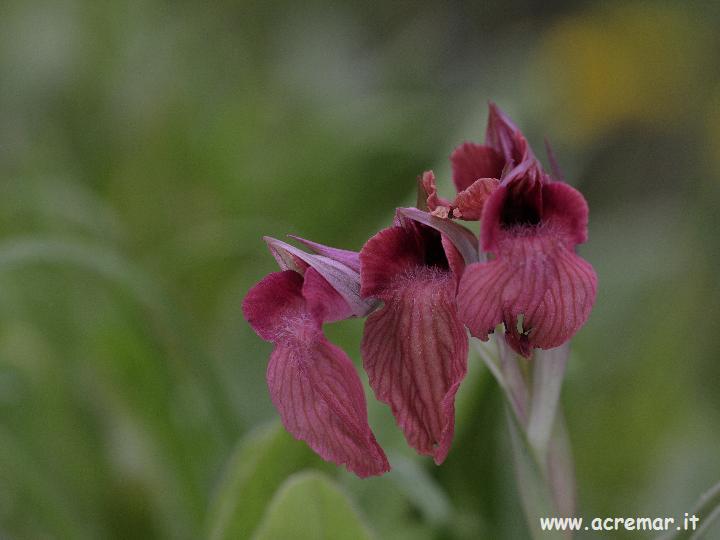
275 299
471 161
415 354
538 287
571 288
323 302
320 399
469 203
351 259
479 301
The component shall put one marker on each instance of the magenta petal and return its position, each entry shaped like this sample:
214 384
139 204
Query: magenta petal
456 261
565 209
324 302
479 299
415 354
505 137
491 226
351 259
569 294
535 277
462 238
471 161
390 253
272 302
343 279
320 399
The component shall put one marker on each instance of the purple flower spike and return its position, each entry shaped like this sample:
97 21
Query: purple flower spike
415 348
536 284
313 383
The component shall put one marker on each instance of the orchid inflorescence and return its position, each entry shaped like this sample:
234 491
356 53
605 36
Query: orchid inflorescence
421 282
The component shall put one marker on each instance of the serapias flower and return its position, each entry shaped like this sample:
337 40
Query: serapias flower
433 280
313 383
536 285
477 169
415 347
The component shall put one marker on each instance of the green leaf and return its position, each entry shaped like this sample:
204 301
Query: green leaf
421 489
262 461
309 506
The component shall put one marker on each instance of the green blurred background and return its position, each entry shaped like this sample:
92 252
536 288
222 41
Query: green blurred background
146 147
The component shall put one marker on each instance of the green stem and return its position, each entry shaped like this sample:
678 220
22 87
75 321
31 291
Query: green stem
707 509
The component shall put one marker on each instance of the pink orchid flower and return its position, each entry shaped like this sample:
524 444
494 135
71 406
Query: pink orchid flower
313 383
535 283
415 348
433 281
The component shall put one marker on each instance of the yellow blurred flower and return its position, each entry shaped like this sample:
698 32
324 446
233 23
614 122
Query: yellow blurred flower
640 62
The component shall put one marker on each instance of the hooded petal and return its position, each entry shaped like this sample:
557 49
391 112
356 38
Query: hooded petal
505 138
351 259
320 399
462 238
415 354
515 204
472 161
537 286
342 278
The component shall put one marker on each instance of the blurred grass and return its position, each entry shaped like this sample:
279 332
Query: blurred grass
146 147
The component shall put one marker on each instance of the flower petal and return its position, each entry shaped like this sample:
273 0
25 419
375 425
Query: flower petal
479 301
456 262
470 202
415 354
491 226
343 279
429 188
269 304
320 399
390 254
323 302
351 259
504 136
471 161
463 239
565 208
287 259
541 290
571 287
